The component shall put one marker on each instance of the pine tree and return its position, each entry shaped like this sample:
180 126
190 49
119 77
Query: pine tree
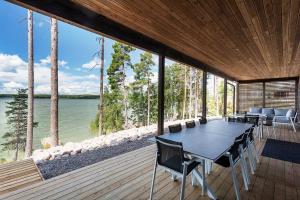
30 117
101 53
54 84
17 121
116 80
139 100
174 91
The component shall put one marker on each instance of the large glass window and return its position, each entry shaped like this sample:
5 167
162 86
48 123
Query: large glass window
215 95
230 98
183 91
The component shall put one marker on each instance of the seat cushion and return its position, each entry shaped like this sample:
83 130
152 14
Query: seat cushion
255 110
269 112
282 119
290 113
280 112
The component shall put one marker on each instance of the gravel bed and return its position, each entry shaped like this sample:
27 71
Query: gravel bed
63 165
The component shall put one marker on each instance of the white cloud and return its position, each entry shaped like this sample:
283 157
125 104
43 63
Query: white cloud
13 74
94 63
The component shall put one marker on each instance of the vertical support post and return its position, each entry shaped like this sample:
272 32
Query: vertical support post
225 98
264 94
297 94
161 94
233 99
237 97
204 89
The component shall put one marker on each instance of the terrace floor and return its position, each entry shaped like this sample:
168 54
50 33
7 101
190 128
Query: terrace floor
128 176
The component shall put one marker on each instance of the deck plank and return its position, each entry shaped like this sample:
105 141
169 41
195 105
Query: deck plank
128 176
17 175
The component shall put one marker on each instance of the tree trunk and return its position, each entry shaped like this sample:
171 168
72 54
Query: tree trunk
16 152
191 92
148 100
101 88
28 148
54 84
184 93
125 98
196 93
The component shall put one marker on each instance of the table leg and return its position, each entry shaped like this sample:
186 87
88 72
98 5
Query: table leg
201 179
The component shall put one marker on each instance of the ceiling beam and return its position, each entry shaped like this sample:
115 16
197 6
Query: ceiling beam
82 17
295 78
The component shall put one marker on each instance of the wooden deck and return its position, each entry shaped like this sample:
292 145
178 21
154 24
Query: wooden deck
17 175
128 176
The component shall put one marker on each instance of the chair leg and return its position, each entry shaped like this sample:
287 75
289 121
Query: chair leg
293 126
234 178
274 131
153 179
244 169
203 176
251 160
183 182
268 131
255 152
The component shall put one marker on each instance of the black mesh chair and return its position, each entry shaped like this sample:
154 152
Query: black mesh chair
170 156
267 122
190 124
175 128
231 119
231 159
241 119
253 119
251 147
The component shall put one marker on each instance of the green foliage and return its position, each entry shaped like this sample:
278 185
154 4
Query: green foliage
116 70
174 89
17 122
138 96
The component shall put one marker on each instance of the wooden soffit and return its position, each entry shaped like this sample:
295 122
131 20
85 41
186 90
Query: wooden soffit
240 39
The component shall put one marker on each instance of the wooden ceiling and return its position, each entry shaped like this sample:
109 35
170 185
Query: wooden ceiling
244 39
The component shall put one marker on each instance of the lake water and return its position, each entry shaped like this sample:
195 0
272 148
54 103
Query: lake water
75 116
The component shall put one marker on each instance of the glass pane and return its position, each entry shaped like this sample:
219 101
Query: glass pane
215 95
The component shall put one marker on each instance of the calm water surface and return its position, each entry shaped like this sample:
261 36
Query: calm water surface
75 116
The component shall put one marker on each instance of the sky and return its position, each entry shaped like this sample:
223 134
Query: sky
76 48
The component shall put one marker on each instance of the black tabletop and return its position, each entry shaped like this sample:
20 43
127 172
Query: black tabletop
209 140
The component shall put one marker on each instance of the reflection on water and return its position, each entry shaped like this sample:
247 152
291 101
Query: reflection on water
75 116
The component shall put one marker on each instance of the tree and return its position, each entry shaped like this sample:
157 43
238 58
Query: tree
30 117
174 89
184 96
54 84
101 86
139 101
116 75
191 74
17 121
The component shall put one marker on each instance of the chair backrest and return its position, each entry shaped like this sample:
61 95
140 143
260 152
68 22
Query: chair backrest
234 150
175 128
170 154
249 133
252 119
241 119
231 119
190 124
